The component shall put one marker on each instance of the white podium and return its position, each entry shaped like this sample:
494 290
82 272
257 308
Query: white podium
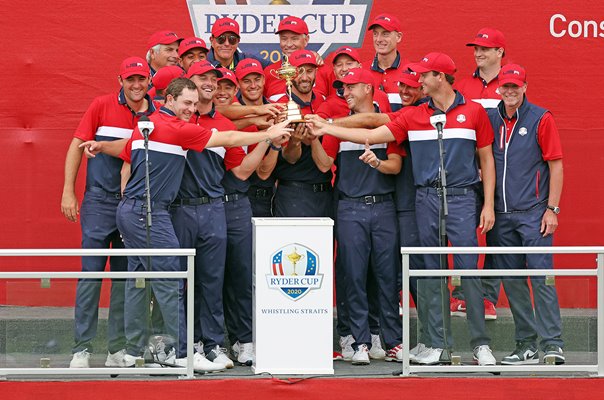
293 295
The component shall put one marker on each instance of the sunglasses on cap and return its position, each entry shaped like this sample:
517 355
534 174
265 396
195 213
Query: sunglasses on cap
233 39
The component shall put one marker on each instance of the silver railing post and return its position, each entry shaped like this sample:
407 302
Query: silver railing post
405 303
600 313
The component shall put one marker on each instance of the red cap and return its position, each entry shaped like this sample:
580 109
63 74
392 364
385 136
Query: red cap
223 25
200 68
409 78
248 66
438 62
164 76
488 37
355 75
301 57
162 37
386 21
293 24
191 43
228 75
134 66
512 73
349 51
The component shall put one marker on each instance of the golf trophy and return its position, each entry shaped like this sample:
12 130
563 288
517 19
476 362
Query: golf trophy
288 73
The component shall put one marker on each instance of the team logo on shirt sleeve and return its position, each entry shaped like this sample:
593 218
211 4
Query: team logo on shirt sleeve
294 271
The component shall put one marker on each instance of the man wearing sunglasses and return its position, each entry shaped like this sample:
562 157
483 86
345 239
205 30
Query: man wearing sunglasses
225 41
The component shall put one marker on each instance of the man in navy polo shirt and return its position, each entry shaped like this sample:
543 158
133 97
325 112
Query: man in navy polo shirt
528 161
483 87
366 223
162 50
467 136
303 190
387 61
411 95
171 138
109 117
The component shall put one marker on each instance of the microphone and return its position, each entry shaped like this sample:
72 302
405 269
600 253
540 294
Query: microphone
438 120
145 126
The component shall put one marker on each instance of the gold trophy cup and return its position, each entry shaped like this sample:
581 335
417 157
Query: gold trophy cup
288 73
294 258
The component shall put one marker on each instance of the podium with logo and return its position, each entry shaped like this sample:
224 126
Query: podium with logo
293 295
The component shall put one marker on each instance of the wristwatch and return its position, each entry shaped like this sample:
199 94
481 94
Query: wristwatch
555 210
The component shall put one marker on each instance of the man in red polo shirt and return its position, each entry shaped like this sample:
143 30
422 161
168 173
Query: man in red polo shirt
293 36
483 88
192 50
387 61
162 50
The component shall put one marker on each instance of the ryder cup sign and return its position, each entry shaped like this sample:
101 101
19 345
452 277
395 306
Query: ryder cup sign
330 23
292 304
294 271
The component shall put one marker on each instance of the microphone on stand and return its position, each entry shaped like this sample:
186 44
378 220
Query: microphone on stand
145 126
438 121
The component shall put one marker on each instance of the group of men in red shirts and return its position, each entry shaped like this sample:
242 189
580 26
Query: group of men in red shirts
367 156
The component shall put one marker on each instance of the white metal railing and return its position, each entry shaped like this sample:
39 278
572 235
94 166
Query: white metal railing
188 275
598 272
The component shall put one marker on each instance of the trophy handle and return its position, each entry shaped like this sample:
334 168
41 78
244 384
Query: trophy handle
274 73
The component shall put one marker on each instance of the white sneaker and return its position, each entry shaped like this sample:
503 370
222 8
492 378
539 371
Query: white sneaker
429 356
483 355
218 355
414 352
246 354
170 357
361 355
129 360
376 351
81 359
346 346
200 363
116 359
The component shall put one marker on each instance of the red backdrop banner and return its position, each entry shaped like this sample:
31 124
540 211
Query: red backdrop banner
59 55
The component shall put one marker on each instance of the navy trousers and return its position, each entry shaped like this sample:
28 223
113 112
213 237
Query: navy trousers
131 221
203 227
367 235
99 231
461 231
237 289
522 229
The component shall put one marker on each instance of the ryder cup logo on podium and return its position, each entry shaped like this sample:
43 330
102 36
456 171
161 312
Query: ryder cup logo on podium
294 271
330 23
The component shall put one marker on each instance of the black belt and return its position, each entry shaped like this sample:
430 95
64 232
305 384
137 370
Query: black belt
372 199
233 197
196 201
96 189
450 191
259 193
314 187
143 203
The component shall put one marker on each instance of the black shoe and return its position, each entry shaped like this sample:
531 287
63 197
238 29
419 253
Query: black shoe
524 354
552 350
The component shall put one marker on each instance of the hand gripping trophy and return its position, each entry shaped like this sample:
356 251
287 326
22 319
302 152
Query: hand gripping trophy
288 73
